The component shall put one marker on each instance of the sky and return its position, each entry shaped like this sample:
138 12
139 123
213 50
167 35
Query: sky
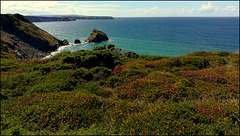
124 8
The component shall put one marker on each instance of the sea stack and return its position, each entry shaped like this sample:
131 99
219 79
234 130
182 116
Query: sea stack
77 41
97 36
65 42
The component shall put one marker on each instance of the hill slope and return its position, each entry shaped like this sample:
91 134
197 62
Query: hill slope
105 91
20 38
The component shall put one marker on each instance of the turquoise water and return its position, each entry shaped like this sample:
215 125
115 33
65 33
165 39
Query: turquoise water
153 36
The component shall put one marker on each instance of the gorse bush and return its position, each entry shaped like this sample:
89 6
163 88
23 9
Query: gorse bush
110 46
132 55
150 57
109 91
101 70
223 53
52 111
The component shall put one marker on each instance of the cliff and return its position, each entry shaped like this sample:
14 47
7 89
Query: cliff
21 39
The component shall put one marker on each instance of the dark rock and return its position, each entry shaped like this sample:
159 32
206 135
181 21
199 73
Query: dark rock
60 43
77 41
97 36
65 42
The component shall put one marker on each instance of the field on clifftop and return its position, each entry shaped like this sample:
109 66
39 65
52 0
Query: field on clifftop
104 91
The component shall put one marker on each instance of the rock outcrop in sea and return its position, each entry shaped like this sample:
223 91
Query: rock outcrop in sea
21 39
65 42
77 41
97 36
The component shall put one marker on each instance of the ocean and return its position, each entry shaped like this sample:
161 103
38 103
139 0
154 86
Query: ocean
165 36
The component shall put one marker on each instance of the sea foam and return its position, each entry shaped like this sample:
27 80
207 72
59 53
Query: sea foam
68 47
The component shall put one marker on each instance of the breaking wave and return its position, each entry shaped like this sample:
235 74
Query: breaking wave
70 47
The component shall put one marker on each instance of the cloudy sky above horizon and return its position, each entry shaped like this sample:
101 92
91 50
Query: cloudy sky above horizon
124 8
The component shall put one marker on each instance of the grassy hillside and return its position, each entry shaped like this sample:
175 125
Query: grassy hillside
22 39
104 91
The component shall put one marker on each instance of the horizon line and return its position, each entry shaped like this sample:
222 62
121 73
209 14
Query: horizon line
188 16
117 16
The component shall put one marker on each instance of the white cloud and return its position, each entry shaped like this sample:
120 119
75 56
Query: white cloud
112 9
54 7
102 6
205 10
231 9
209 8
30 6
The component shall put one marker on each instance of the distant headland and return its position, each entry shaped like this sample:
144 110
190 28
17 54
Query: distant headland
51 18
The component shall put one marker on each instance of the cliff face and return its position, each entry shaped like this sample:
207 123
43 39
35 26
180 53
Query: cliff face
22 39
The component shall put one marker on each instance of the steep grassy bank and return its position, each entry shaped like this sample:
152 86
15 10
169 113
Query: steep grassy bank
107 92
21 39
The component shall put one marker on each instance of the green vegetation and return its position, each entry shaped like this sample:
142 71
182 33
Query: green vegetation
106 91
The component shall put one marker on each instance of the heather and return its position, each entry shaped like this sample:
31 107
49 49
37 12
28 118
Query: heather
106 91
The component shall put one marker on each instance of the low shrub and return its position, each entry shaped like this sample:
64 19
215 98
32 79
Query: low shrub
92 87
53 111
99 48
68 59
199 62
110 46
60 55
132 55
82 73
113 82
101 70
223 53
151 57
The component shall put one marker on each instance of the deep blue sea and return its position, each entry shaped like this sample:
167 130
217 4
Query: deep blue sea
166 36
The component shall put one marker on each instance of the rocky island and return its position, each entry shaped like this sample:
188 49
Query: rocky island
77 41
97 36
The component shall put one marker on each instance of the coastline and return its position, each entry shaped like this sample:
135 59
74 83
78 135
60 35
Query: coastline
66 18
163 39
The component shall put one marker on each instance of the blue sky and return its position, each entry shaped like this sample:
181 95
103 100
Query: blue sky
124 8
